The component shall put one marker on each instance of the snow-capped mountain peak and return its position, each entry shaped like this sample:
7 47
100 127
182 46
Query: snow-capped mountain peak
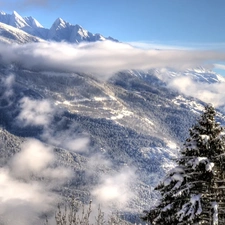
2 13
17 21
16 14
60 24
60 30
10 34
32 22
82 32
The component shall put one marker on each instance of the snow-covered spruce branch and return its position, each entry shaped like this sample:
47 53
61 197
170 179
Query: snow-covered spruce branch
194 191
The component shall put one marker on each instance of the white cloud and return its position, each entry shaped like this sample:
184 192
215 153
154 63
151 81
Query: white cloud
67 138
19 190
219 66
177 45
21 202
36 159
115 189
9 81
96 161
155 45
77 144
27 182
35 112
7 86
33 159
209 93
101 58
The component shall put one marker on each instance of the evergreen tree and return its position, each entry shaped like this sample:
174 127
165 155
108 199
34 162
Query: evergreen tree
194 191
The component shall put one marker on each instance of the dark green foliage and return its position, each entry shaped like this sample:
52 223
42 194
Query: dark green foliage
193 192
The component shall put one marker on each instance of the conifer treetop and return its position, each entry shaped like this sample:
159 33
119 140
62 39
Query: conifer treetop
194 191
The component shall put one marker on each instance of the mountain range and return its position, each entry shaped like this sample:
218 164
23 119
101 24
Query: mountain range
118 137
59 31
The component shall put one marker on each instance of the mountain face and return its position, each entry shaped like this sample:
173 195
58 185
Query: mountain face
14 20
59 31
9 34
133 123
62 30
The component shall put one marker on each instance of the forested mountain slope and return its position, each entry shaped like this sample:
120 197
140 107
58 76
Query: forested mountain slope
130 125
66 132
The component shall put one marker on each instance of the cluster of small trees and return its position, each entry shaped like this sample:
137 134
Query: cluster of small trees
73 215
194 191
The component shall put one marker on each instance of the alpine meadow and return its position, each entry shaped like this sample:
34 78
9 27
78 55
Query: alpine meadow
99 131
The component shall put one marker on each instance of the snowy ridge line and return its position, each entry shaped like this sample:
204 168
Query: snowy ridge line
59 31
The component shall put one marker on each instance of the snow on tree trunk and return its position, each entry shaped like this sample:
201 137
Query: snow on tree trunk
191 209
215 213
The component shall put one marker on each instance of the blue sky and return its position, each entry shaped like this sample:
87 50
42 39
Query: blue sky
185 23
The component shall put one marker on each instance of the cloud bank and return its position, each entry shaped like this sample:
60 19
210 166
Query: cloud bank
6 90
101 58
66 138
209 93
8 83
114 189
27 184
35 112
219 66
41 112
178 45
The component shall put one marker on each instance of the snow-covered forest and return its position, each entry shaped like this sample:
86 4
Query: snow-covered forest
85 117
193 191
